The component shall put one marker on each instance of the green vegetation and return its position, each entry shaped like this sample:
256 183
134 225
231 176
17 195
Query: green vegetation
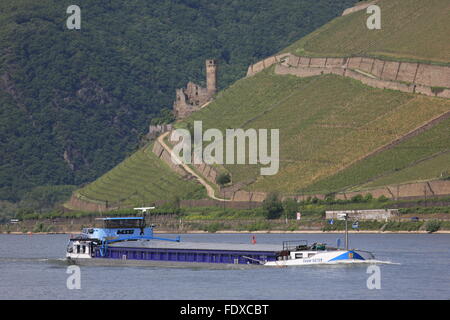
272 206
223 178
432 226
326 124
213 219
141 179
410 30
423 157
73 104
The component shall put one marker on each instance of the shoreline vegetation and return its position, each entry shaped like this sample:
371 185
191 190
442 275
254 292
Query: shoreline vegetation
255 232
272 216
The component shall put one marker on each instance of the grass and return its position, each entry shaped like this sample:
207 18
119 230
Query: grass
411 30
326 123
141 179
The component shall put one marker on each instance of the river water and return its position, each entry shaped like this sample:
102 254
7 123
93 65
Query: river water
29 269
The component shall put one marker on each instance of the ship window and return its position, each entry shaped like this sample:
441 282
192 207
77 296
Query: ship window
83 249
78 248
125 223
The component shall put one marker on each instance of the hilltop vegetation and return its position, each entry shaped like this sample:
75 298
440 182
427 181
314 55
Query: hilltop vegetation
73 104
410 30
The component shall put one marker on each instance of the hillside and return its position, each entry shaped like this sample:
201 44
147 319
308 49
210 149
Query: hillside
420 158
141 179
73 104
326 123
410 30
337 133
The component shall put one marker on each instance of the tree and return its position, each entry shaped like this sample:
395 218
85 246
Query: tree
290 208
272 206
223 178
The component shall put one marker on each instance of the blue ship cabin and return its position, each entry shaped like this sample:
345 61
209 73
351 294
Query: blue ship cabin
127 222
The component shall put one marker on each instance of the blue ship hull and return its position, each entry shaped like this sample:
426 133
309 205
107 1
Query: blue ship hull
174 255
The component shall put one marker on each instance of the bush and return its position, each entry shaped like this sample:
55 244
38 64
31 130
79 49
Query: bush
357 199
432 226
223 178
383 198
290 208
272 206
214 227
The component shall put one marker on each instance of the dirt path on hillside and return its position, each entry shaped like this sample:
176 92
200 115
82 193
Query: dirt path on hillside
210 190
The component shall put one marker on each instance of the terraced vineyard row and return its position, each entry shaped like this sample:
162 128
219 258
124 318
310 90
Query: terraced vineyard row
326 123
140 180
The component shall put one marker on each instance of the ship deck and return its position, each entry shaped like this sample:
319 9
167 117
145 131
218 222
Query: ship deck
158 244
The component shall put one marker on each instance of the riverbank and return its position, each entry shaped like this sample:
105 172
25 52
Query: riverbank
252 232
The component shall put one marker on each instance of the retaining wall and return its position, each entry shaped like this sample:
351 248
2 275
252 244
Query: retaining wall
408 77
358 7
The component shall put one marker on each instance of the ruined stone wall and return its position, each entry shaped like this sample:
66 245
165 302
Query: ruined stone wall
358 7
196 95
191 98
401 76
156 130
266 63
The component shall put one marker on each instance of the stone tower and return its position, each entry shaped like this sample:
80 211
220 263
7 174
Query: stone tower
211 76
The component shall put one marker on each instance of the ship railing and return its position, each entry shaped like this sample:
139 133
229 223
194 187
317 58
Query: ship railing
295 245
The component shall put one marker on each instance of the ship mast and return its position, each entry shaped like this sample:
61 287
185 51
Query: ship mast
344 216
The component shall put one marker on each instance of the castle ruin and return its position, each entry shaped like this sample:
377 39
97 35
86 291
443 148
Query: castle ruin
193 97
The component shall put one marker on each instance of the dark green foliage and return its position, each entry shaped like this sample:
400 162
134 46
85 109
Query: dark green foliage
272 206
358 198
432 226
165 116
46 197
223 178
290 208
383 198
73 104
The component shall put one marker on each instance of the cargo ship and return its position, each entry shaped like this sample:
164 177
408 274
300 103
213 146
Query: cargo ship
128 241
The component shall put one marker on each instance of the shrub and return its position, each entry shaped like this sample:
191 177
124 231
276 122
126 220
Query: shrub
214 227
223 178
290 208
432 226
272 206
358 198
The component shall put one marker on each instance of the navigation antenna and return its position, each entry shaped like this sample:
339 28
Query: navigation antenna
143 210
